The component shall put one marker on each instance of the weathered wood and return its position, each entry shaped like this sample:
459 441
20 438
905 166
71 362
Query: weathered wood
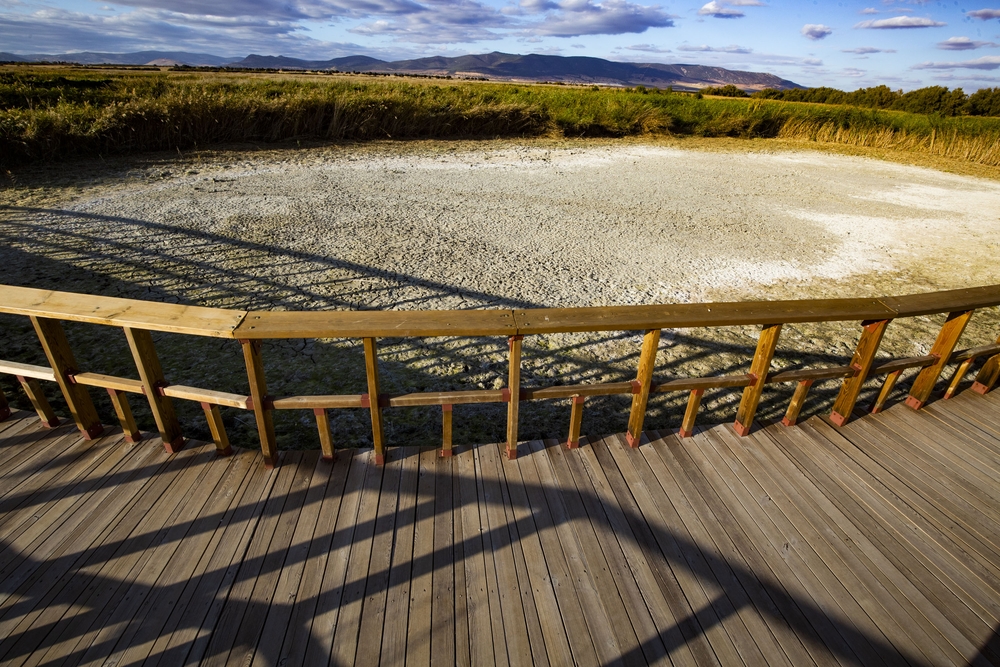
944 345
214 418
643 380
261 407
691 412
902 364
325 438
759 368
861 362
883 395
374 402
35 394
575 422
446 411
198 395
798 400
60 356
314 402
957 377
514 387
988 374
974 353
109 382
693 384
948 301
151 373
811 374
375 324
119 399
27 370
150 315
571 390
446 398
4 406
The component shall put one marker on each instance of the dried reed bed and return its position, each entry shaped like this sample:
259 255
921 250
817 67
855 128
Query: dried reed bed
52 114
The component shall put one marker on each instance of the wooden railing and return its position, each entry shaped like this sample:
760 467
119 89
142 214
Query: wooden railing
47 309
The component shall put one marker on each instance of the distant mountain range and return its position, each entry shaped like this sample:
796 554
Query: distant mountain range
494 66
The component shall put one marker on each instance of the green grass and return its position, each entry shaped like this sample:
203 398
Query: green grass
50 114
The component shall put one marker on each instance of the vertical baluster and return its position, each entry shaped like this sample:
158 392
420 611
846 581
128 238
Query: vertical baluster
371 368
883 395
988 374
514 390
575 423
956 378
864 356
151 373
798 400
41 404
325 439
214 418
261 401
642 385
944 345
446 430
759 368
57 350
691 413
120 401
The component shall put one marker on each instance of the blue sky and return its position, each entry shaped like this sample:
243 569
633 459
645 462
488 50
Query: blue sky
902 43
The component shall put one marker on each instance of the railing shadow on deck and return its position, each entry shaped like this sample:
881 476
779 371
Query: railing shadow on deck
72 579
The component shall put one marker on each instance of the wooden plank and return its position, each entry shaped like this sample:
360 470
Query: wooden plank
374 402
231 627
691 413
154 316
4 407
643 380
974 353
372 630
460 602
420 612
902 364
798 400
33 389
949 301
957 377
325 438
759 368
119 400
575 422
375 324
988 374
635 318
60 356
446 444
318 645
861 362
33 456
943 346
109 382
218 429
261 409
810 374
571 390
514 389
147 362
319 402
574 579
403 566
447 398
198 395
27 370
883 395
302 581
447 597
476 593
694 384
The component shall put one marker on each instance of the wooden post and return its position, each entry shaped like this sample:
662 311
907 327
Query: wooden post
53 340
125 418
4 406
261 401
446 430
325 439
947 338
575 423
694 403
37 397
988 374
798 399
759 367
371 368
643 383
864 356
514 388
151 373
883 396
218 429
956 378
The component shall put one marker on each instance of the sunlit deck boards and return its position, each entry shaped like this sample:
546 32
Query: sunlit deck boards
877 543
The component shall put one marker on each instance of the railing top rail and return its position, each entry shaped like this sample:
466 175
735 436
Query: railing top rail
223 323
151 315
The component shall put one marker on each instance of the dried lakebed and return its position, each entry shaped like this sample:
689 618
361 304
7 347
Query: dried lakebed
492 225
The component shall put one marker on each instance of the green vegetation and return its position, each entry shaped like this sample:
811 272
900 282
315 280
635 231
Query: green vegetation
50 114
932 100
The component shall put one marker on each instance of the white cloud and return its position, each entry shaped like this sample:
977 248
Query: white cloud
714 49
984 14
868 10
648 48
610 17
853 72
865 50
897 22
816 31
986 62
723 9
962 44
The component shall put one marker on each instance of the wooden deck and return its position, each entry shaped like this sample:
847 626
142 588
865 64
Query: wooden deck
877 543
